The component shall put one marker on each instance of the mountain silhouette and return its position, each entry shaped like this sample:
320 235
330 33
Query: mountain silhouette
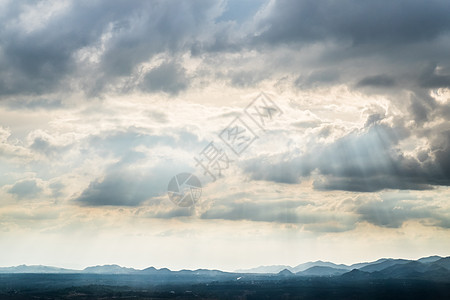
427 268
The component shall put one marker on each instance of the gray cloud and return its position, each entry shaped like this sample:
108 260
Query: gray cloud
38 61
370 22
42 144
368 161
246 78
355 40
430 78
393 213
34 104
283 212
118 189
129 183
57 189
158 116
173 212
96 47
377 81
168 77
137 176
25 189
317 78
66 49
272 212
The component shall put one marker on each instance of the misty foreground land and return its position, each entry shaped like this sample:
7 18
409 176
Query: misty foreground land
426 278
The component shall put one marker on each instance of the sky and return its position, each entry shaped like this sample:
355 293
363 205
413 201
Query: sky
102 103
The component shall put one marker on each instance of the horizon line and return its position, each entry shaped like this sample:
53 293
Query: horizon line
218 269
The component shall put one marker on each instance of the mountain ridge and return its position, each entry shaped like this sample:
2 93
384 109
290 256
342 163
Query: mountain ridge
381 267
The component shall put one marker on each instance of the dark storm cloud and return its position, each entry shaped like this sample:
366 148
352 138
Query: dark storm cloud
46 59
161 26
25 189
423 108
361 22
93 46
364 161
36 62
382 45
430 78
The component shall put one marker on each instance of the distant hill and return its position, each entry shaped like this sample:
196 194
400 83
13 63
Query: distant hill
355 274
299 268
383 265
266 269
302 267
110 269
149 270
319 263
285 273
36 269
322 271
429 259
434 270
413 269
360 265
443 262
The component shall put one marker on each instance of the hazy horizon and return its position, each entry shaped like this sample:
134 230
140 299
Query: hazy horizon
240 269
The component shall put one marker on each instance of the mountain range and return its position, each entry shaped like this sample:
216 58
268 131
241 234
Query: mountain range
302 267
104 269
432 267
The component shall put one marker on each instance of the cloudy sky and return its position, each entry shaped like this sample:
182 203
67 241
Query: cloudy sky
103 102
